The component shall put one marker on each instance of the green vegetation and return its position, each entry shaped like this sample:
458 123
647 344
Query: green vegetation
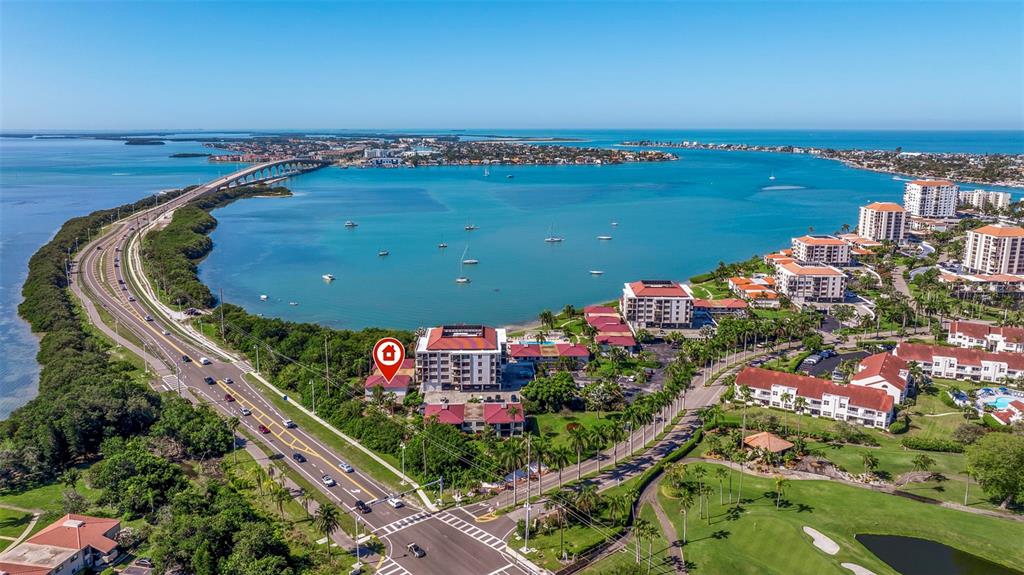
12 523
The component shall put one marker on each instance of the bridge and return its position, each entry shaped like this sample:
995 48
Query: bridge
268 171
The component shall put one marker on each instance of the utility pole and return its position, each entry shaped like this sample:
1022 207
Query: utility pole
358 558
312 387
403 463
526 542
257 346
221 313
327 364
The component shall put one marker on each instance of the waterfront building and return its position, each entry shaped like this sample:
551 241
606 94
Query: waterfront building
72 544
657 304
399 385
857 404
461 358
810 283
995 249
758 290
828 250
886 372
963 363
964 283
550 353
506 419
930 198
883 221
988 337
982 199
719 307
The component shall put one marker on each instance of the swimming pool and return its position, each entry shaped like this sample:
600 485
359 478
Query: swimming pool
1002 402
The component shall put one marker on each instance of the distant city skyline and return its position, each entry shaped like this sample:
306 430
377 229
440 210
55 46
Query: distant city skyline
422 66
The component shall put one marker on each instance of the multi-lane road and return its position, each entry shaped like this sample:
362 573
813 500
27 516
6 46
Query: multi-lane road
108 278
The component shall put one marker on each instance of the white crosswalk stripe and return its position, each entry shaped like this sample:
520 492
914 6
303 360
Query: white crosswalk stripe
472 530
396 526
391 568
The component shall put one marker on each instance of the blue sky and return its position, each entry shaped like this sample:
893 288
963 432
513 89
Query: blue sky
849 65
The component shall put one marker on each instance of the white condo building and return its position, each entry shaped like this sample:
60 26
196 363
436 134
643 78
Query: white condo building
930 198
995 249
828 250
883 221
461 358
982 198
803 283
658 304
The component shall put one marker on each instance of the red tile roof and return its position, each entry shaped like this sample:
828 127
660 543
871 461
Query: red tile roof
448 413
727 303
497 413
521 351
1003 415
600 310
16 569
814 388
920 352
885 207
78 531
616 340
399 383
884 365
1000 231
658 288
800 270
932 183
614 329
767 440
981 331
820 241
600 320
462 337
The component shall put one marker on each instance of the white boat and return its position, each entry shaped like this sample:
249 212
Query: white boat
772 177
383 253
351 224
463 278
510 176
442 245
604 238
552 238
470 262
596 272
615 224
470 227
264 297
293 303
328 277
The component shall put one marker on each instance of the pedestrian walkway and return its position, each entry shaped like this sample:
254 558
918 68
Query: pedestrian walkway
390 567
472 530
396 526
650 495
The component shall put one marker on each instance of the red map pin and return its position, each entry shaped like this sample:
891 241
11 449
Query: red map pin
388 354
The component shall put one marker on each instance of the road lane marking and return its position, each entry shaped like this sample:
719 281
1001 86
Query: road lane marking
400 524
391 567
480 535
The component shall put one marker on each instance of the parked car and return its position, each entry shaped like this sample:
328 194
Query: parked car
264 429
416 550
345 467
228 397
362 507
395 502
328 480
144 562
299 457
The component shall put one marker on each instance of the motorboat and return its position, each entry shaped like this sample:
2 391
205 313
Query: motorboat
470 262
351 224
264 297
596 272
383 253
442 245
470 227
328 277
604 238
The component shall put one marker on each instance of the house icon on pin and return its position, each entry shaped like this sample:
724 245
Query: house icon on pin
387 353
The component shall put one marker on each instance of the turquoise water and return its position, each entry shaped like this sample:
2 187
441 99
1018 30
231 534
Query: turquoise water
676 219
1002 402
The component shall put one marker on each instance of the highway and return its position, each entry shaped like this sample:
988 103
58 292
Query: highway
108 277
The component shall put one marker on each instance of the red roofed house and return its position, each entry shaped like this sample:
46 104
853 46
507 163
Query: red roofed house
960 363
551 353
506 418
447 413
657 304
987 337
460 357
886 372
1013 413
71 544
399 384
862 405
727 306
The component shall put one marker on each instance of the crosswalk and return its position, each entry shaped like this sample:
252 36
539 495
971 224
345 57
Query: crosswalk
396 526
391 568
472 530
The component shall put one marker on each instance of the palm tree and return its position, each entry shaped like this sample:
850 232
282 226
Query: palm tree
257 476
280 494
780 485
699 473
616 434
510 456
799 405
547 319
785 398
579 439
745 393
721 474
559 457
647 530
640 529
541 447
685 495
620 506
305 498
922 462
587 499
741 457
559 501
599 436
327 521
869 460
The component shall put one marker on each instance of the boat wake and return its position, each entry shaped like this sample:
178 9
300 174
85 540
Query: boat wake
781 188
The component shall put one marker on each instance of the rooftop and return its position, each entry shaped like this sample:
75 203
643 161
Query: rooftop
461 337
820 241
981 331
932 183
885 207
658 288
1000 231
815 388
797 269
78 531
920 352
767 440
884 365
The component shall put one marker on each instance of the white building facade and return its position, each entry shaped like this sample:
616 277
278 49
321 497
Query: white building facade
828 250
461 358
930 198
995 249
657 304
810 283
883 221
982 199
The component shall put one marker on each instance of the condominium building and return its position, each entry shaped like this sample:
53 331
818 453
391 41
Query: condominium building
828 250
988 337
930 198
461 358
886 372
883 221
822 398
982 199
960 363
506 419
72 544
814 283
995 249
657 304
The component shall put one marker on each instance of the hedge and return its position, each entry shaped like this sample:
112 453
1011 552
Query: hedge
928 444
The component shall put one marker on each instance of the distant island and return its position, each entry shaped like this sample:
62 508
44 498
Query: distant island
143 142
190 155
995 169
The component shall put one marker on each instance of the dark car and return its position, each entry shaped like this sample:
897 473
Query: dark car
362 507
209 380
264 429
186 359
228 397
299 457
416 550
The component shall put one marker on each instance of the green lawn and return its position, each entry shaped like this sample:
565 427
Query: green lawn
553 425
712 290
12 523
766 540
657 550
46 497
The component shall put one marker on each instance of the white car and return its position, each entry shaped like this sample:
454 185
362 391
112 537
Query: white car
395 502
345 467
289 423
246 411
328 481
205 361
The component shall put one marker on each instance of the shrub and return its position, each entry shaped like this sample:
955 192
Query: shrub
931 444
899 426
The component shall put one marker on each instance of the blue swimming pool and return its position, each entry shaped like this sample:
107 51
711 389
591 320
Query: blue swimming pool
1002 402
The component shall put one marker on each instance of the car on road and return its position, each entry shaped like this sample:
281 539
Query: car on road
362 507
416 550
328 480
289 424
345 467
149 318
205 361
165 332
245 411
395 502
228 397
209 380
131 298
299 457
186 359
124 288
228 380
264 429
144 562
117 265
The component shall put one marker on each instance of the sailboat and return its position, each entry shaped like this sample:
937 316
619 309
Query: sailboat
442 245
463 278
772 177
486 172
552 238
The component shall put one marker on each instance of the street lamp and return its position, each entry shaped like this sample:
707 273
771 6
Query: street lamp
403 463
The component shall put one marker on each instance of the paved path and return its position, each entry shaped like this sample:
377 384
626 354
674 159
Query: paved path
28 529
650 495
